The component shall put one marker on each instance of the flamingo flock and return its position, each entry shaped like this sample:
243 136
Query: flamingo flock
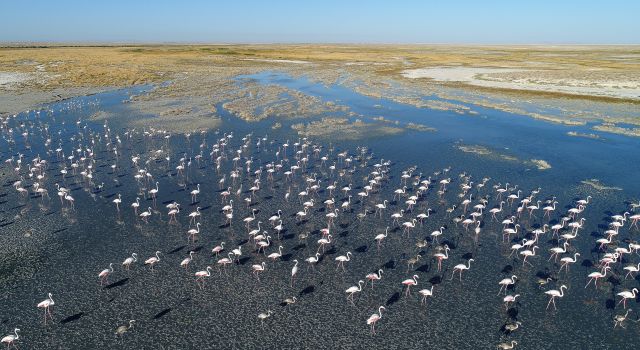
306 188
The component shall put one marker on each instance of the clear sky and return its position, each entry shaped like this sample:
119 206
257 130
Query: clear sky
328 21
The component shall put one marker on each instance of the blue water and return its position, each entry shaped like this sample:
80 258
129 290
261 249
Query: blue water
51 248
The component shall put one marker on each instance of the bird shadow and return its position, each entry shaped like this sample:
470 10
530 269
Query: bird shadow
299 246
424 268
307 290
175 250
362 249
391 264
587 263
610 304
119 283
72 318
162 313
507 269
435 280
394 298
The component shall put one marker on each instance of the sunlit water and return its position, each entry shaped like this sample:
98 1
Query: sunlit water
50 248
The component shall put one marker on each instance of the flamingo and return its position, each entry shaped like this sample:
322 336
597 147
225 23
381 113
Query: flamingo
596 275
264 316
104 274
200 275
397 216
351 291
185 263
549 209
631 269
557 250
276 256
460 268
237 253
375 318
276 217
323 242
408 225
194 215
435 234
425 293
423 216
554 293
279 228
381 236
253 233
627 295
505 283
257 268
527 253
117 201
373 277
193 232
46 305
342 259
11 338
263 245
509 299
495 211
441 256
249 219
312 260
410 282
120 331
381 207
130 260
618 319
145 215
195 193
294 271
217 249
566 261
507 346
173 212
225 261
154 192
152 261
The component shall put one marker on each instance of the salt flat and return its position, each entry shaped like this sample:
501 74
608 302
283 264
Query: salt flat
609 85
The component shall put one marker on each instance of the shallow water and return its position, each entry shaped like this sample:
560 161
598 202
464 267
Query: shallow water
52 248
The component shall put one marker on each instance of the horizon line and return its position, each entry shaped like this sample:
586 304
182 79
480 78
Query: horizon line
185 43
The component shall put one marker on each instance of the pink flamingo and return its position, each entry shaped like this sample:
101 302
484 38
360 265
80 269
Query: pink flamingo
46 305
104 274
375 318
374 277
200 275
410 282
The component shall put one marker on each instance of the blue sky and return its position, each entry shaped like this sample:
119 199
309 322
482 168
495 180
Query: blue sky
329 21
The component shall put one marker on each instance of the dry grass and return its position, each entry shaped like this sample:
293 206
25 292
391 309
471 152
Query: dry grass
117 66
